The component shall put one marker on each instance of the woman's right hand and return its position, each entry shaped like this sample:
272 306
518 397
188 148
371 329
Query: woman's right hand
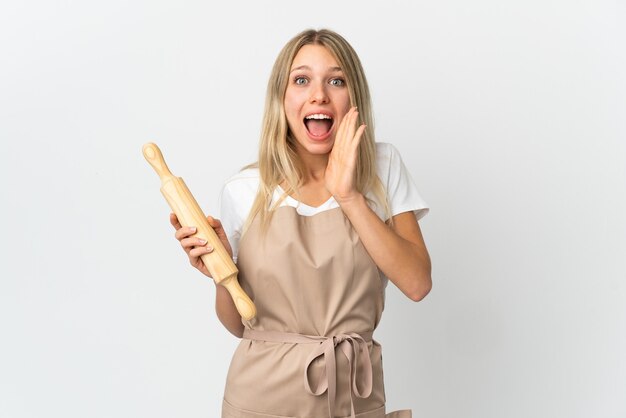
195 247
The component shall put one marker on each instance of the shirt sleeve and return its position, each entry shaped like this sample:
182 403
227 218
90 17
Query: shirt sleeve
402 191
236 201
230 218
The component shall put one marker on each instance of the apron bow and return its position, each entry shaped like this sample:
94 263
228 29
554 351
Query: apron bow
354 347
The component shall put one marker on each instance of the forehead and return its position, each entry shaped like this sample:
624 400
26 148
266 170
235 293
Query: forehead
315 57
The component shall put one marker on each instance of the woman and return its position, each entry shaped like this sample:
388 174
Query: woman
316 227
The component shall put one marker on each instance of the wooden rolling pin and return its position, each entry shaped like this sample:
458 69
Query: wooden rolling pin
182 202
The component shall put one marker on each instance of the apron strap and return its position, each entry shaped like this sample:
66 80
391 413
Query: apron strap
352 345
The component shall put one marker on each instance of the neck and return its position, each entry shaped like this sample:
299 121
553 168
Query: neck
314 166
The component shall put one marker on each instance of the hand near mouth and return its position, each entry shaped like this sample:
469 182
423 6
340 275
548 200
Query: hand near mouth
340 175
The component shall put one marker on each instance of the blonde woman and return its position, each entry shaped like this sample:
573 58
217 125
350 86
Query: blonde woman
317 227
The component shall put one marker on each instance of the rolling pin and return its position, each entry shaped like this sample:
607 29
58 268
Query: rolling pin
184 205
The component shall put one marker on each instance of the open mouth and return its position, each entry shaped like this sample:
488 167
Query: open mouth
318 124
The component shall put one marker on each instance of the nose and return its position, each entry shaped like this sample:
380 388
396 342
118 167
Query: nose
318 93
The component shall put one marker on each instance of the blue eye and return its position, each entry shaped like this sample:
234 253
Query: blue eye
300 81
337 82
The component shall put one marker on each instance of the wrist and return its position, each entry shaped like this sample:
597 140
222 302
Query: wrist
351 203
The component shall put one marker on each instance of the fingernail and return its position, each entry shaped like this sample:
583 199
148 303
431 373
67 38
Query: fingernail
202 241
193 229
209 248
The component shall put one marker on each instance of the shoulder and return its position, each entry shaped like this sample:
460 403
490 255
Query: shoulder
238 195
236 200
385 150
401 189
387 158
244 178
242 186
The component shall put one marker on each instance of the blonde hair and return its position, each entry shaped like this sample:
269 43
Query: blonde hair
278 160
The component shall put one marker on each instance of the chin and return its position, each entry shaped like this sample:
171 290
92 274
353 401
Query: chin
316 148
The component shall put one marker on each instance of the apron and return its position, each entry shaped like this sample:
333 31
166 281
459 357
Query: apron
309 352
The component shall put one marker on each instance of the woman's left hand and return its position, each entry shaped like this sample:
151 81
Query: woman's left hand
340 175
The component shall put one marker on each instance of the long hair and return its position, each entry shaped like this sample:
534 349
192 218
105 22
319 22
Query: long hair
278 160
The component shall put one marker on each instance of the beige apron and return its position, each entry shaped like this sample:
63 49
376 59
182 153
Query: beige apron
309 351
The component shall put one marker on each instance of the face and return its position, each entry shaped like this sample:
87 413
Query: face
316 99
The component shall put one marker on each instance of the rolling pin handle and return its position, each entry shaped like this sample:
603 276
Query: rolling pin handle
153 155
242 301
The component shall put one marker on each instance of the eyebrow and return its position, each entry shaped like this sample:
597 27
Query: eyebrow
306 67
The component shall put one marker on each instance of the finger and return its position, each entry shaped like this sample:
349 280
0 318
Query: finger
184 232
358 136
200 251
340 129
217 226
214 222
352 126
350 116
189 243
174 221
344 122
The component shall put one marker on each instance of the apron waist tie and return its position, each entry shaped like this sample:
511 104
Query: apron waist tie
353 346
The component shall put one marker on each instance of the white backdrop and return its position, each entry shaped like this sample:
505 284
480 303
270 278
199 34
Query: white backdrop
509 115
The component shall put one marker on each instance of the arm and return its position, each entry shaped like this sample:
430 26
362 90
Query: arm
399 250
227 312
195 247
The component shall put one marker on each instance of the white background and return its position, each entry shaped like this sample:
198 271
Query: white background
509 114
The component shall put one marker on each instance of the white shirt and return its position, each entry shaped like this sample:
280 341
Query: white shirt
240 190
